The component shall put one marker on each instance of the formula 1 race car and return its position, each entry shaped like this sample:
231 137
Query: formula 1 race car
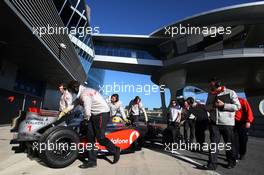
58 143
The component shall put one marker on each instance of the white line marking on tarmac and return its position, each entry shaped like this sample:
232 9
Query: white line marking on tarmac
157 143
177 154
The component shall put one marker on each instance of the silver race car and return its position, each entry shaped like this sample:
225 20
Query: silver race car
58 143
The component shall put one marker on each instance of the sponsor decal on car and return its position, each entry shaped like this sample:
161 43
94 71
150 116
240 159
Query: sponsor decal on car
123 139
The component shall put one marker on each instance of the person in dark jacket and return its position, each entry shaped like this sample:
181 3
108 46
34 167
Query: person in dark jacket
201 120
243 119
189 123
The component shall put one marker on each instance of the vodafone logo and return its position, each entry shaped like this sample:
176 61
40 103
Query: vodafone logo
119 141
123 139
132 135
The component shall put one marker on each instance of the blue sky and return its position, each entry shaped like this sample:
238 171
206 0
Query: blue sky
141 17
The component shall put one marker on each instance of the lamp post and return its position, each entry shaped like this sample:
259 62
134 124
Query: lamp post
61 46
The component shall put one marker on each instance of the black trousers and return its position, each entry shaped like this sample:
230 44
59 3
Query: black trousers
134 119
200 128
216 131
96 129
241 138
92 153
175 129
189 130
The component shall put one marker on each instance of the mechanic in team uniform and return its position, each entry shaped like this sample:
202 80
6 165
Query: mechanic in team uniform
116 108
66 105
135 107
201 120
174 115
65 100
96 117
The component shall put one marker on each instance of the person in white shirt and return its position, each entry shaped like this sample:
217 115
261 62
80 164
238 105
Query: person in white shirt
116 107
65 100
66 105
174 119
96 117
135 107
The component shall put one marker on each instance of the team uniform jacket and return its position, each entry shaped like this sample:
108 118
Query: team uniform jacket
226 116
92 102
117 108
65 100
245 113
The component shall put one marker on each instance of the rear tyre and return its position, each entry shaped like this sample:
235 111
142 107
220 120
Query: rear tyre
60 154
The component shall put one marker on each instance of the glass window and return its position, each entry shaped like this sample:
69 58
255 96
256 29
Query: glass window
122 53
78 50
80 6
82 22
83 53
140 54
97 51
73 2
110 52
59 4
74 20
128 53
87 39
115 52
66 13
103 51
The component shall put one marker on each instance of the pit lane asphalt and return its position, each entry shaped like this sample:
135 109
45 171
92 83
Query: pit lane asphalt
252 165
145 162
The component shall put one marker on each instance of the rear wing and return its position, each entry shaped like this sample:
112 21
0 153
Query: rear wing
36 111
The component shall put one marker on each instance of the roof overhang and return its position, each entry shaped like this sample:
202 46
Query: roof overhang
231 15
